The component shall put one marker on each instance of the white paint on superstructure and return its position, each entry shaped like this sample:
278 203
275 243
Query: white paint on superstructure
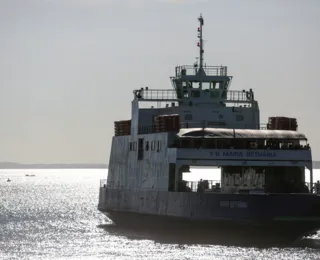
150 173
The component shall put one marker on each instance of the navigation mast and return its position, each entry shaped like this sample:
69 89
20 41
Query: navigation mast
200 43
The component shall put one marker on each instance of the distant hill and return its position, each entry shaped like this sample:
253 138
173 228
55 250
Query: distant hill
10 165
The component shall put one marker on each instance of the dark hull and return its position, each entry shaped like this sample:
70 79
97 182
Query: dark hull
178 230
281 216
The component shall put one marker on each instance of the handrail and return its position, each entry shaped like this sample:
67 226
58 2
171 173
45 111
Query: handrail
197 124
193 185
214 186
191 70
236 95
171 95
155 94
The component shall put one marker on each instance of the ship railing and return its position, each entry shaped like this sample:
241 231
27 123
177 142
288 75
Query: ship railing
191 70
237 95
197 124
212 185
215 186
315 187
145 129
239 98
103 183
155 94
264 126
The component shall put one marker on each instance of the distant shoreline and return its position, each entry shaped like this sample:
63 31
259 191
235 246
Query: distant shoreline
8 165
52 166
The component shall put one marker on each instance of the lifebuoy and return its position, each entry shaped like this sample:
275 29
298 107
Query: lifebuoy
138 94
249 95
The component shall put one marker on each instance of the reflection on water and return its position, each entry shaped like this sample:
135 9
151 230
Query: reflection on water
222 237
54 215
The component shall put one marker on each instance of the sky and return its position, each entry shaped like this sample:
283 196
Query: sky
68 67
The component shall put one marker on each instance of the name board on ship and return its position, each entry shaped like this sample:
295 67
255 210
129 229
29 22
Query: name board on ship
256 154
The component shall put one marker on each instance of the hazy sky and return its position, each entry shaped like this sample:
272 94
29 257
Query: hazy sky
68 67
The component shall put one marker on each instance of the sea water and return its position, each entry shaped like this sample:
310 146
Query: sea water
54 215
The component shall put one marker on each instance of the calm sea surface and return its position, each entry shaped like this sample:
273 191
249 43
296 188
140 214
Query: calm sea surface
54 215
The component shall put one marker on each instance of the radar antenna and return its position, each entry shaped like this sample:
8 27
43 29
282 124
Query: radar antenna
200 43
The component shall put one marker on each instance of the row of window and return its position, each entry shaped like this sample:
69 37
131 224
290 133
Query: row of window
148 145
188 117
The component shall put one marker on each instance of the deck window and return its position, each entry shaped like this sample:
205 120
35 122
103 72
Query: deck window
140 149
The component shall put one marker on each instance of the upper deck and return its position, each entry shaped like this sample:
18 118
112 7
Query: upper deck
200 98
200 93
233 97
192 70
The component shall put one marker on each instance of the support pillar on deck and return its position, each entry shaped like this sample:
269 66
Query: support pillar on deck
176 178
311 180
309 166
180 169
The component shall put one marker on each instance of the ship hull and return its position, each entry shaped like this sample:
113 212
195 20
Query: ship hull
287 216
146 221
178 230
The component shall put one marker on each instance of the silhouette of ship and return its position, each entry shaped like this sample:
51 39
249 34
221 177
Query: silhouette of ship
201 122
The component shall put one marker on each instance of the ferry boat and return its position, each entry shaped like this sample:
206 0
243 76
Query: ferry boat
201 122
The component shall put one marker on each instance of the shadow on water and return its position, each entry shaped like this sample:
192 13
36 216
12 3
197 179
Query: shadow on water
220 236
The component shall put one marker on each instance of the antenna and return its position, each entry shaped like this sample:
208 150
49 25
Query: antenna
200 43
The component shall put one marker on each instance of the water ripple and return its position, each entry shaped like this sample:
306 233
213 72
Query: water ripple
53 216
